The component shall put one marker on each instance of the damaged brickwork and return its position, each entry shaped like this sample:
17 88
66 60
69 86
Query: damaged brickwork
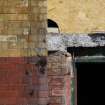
23 56
59 78
23 80
57 62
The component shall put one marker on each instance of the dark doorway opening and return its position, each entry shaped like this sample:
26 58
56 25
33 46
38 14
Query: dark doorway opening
90 83
89 67
86 51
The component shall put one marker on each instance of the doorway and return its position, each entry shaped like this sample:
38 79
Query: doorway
89 67
90 82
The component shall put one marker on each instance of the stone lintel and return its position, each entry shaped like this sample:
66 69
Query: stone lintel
60 41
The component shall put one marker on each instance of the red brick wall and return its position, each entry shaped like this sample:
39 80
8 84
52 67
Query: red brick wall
21 82
58 79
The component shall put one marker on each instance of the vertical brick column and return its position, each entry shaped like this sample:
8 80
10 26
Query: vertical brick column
59 78
23 76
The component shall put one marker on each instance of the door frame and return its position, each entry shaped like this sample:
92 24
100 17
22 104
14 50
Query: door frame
84 59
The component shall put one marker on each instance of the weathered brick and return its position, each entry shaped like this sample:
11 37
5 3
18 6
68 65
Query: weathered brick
12 84
55 104
57 92
20 38
43 94
57 100
42 101
57 79
16 17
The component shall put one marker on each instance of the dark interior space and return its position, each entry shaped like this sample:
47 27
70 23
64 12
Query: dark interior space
90 83
51 24
89 51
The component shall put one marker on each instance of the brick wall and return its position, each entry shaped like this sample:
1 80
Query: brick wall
22 38
59 78
22 27
22 82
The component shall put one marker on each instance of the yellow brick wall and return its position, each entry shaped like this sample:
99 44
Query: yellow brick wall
22 27
78 16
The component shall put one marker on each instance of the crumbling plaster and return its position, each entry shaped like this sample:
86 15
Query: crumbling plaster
60 41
